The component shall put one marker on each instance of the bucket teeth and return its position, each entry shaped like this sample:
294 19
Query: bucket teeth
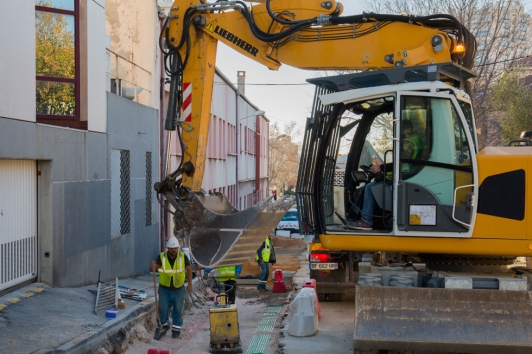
220 235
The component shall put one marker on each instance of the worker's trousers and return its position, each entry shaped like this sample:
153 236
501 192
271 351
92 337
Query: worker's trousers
176 298
263 276
368 206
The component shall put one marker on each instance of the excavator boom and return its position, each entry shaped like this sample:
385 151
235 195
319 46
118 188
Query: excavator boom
306 34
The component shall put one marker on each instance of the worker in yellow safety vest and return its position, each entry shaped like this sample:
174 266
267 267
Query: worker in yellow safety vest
228 276
172 266
265 256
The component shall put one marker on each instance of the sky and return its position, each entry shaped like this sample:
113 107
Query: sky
284 94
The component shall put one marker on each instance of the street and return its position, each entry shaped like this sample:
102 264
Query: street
263 318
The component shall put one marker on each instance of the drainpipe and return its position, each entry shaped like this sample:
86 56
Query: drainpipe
162 159
237 147
257 159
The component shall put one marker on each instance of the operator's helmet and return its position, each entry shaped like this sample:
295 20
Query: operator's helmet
172 243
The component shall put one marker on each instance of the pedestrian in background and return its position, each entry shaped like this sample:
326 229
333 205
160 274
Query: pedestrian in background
275 194
265 256
172 266
227 275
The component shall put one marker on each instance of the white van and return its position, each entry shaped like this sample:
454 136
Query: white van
289 222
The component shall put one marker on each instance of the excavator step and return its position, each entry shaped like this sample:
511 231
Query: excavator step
445 320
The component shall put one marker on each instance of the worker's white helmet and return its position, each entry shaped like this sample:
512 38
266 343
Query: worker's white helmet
172 242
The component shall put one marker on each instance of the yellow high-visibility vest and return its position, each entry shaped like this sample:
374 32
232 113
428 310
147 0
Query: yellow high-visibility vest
177 272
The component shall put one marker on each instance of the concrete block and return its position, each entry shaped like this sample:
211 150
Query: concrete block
512 284
285 233
458 283
303 314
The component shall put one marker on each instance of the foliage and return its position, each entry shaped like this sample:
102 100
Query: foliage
513 100
284 156
55 58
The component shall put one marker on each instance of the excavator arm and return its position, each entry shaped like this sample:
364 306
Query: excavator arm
307 34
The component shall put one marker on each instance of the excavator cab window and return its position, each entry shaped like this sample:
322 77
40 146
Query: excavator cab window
425 141
372 144
437 180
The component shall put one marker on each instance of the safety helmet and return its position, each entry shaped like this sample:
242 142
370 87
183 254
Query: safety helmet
172 242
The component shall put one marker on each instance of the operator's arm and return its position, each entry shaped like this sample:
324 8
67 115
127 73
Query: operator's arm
380 168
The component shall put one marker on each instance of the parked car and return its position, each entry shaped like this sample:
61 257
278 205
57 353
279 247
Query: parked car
289 222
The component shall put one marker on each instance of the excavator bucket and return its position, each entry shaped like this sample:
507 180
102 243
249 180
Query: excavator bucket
442 320
219 234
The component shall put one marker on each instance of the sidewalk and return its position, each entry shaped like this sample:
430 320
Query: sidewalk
41 319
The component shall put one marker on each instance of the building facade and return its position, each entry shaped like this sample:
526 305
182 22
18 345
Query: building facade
81 141
77 161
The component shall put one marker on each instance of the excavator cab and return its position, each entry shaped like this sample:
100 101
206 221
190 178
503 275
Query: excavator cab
423 134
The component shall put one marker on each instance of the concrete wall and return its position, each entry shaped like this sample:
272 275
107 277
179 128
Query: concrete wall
74 194
96 66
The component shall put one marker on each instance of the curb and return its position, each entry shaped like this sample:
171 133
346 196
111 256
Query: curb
114 330
92 339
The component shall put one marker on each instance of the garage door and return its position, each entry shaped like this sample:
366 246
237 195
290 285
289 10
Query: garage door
18 222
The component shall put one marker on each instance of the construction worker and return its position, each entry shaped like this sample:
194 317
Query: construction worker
227 275
172 266
265 256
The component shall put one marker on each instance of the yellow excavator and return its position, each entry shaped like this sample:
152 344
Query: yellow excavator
426 241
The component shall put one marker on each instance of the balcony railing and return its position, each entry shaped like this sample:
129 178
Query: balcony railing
129 80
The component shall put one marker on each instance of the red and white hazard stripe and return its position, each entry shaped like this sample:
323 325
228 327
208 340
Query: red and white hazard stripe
186 108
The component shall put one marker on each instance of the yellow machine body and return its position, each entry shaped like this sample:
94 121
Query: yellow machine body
225 334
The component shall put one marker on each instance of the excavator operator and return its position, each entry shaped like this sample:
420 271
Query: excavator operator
411 146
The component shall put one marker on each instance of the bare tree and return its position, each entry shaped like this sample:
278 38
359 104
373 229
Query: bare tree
500 29
284 155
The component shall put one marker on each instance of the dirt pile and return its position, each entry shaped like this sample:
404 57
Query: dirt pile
287 251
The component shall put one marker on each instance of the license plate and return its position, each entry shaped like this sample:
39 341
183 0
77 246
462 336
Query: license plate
324 266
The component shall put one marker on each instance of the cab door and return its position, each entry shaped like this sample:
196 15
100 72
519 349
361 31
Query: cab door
435 179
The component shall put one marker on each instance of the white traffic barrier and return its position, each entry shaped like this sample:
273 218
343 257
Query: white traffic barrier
303 314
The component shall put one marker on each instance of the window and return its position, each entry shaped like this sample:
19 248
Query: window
57 63
445 147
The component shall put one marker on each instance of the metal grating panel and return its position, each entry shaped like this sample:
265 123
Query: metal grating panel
120 192
268 320
339 178
149 189
310 161
125 195
258 344
264 329
18 222
107 295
